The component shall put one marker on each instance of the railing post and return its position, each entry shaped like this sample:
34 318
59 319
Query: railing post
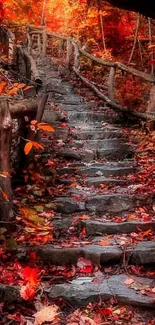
111 83
76 56
44 44
69 51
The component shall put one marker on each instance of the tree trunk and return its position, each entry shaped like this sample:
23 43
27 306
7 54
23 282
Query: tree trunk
6 210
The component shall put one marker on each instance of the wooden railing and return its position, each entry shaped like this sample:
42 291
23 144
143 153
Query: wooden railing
74 52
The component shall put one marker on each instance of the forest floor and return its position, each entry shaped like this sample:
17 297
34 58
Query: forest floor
85 238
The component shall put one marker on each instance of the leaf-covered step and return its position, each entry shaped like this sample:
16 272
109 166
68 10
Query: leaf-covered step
143 253
100 143
82 291
107 170
94 227
97 181
98 133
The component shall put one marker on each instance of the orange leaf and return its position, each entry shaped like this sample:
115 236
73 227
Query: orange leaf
20 86
28 147
37 145
132 216
13 91
2 86
5 197
104 243
45 127
144 234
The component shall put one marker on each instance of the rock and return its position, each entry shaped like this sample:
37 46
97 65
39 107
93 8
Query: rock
143 253
84 154
79 295
111 203
99 255
94 227
115 153
9 294
66 205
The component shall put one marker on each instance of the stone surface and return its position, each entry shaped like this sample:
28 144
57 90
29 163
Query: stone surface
70 99
9 294
97 181
67 205
144 253
99 255
106 170
97 134
80 154
81 294
115 153
111 203
97 227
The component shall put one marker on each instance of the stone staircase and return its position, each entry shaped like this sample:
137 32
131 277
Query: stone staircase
94 152
95 162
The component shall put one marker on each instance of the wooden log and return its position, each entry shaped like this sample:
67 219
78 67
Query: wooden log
33 67
23 107
120 66
144 116
6 210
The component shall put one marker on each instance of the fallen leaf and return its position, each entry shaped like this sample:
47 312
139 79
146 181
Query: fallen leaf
47 314
129 281
84 265
27 292
30 275
104 243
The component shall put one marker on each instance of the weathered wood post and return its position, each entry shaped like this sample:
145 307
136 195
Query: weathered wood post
69 51
6 210
111 86
76 56
44 42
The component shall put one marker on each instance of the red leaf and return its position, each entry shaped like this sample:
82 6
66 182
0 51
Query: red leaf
106 311
84 265
30 275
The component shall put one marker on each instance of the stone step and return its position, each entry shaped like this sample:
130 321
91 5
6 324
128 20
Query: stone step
89 154
82 155
86 117
94 227
100 144
97 181
108 203
113 203
141 254
94 171
81 291
69 99
80 107
107 170
98 133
